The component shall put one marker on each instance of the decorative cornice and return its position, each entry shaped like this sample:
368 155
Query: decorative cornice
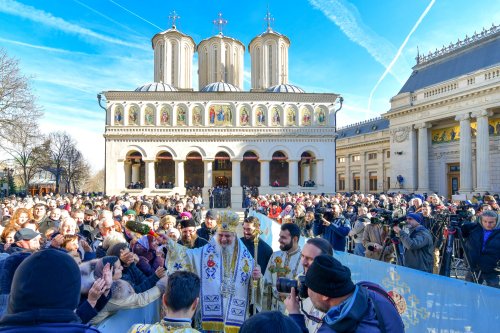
196 96
362 144
482 113
462 117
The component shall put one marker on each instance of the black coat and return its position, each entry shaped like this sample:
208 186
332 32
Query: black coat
482 260
264 252
206 233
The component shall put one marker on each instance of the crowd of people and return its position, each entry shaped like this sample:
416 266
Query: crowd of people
125 252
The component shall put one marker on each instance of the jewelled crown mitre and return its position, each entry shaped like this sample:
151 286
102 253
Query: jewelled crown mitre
228 221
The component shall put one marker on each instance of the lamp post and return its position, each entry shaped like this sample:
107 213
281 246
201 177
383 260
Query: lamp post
7 173
341 102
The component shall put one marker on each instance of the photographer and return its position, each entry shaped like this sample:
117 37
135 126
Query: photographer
332 226
436 229
348 307
418 244
357 231
374 238
483 247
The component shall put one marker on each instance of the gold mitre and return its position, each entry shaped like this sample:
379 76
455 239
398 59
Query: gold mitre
228 221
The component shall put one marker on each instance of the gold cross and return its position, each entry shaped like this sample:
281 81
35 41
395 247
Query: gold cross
173 17
220 22
268 19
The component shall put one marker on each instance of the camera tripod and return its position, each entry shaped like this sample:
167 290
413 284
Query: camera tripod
393 240
454 241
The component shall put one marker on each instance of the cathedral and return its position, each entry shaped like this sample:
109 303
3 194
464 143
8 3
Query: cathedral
167 137
440 135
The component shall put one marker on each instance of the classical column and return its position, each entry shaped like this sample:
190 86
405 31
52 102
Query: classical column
363 177
179 173
150 174
347 176
264 173
121 182
236 173
127 165
482 151
423 157
318 179
465 154
207 177
380 171
314 171
293 173
136 169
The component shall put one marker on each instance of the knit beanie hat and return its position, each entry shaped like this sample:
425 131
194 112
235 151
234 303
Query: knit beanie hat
328 277
416 216
101 263
48 279
270 322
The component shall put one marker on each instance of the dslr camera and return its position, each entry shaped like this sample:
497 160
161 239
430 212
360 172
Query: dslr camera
284 285
321 212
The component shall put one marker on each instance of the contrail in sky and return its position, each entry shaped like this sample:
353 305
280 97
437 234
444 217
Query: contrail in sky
131 12
396 57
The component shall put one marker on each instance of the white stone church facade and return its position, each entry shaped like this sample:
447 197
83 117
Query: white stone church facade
165 133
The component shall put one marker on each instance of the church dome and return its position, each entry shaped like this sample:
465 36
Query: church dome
281 88
156 86
220 86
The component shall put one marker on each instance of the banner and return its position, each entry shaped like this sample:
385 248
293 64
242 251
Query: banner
430 303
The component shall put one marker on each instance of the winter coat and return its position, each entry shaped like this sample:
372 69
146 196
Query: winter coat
358 310
374 234
419 248
137 279
336 233
483 257
124 297
206 233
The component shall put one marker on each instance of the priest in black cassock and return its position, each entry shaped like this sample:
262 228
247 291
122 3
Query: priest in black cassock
264 250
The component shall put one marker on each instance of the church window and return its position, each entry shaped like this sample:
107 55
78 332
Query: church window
372 156
173 64
270 65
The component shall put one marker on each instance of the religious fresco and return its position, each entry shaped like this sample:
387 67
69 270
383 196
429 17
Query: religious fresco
276 119
220 115
118 115
244 116
291 116
133 115
494 127
450 134
181 115
149 116
197 116
260 116
321 115
164 116
306 117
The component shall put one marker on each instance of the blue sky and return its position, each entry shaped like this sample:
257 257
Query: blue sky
363 50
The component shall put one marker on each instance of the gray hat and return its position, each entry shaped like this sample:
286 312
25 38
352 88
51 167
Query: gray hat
25 234
212 214
161 213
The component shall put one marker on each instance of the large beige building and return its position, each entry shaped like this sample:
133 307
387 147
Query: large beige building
442 133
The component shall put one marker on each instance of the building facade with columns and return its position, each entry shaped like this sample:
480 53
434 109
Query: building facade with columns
445 121
442 133
164 137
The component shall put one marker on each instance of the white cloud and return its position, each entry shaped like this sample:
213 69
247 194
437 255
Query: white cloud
28 12
347 18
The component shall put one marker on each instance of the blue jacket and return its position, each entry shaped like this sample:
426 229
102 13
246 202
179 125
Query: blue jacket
485 257
336 233
357 314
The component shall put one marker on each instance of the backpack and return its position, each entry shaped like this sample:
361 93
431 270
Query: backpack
377 303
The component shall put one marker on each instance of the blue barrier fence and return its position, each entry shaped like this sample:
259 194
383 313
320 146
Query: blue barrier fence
123 320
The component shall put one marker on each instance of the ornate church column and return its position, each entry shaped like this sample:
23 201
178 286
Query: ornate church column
318 178
264 173
465 154
380 171
207 178
136 169
423 157
236 189
293 174
150 174
179 174
363 176
347 176
127 167
482 150
121 182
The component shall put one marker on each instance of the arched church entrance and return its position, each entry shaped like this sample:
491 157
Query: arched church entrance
278 170
164 171
222 169
250 170
193 173
135 171
307 170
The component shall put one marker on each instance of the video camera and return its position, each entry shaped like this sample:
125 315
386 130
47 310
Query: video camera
284 285
322 212
386 217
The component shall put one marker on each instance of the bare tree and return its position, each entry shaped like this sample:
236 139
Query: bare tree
60 143
76 169
27 148
95 183
16 99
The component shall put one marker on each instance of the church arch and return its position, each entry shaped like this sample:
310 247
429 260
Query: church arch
306 115
164 115
279 169
149 115
259 115
193 171
135 170
244 115
197 115
117 114
164 170
291 117
222 170
181 115
276 114
307 169
133 115
250 169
